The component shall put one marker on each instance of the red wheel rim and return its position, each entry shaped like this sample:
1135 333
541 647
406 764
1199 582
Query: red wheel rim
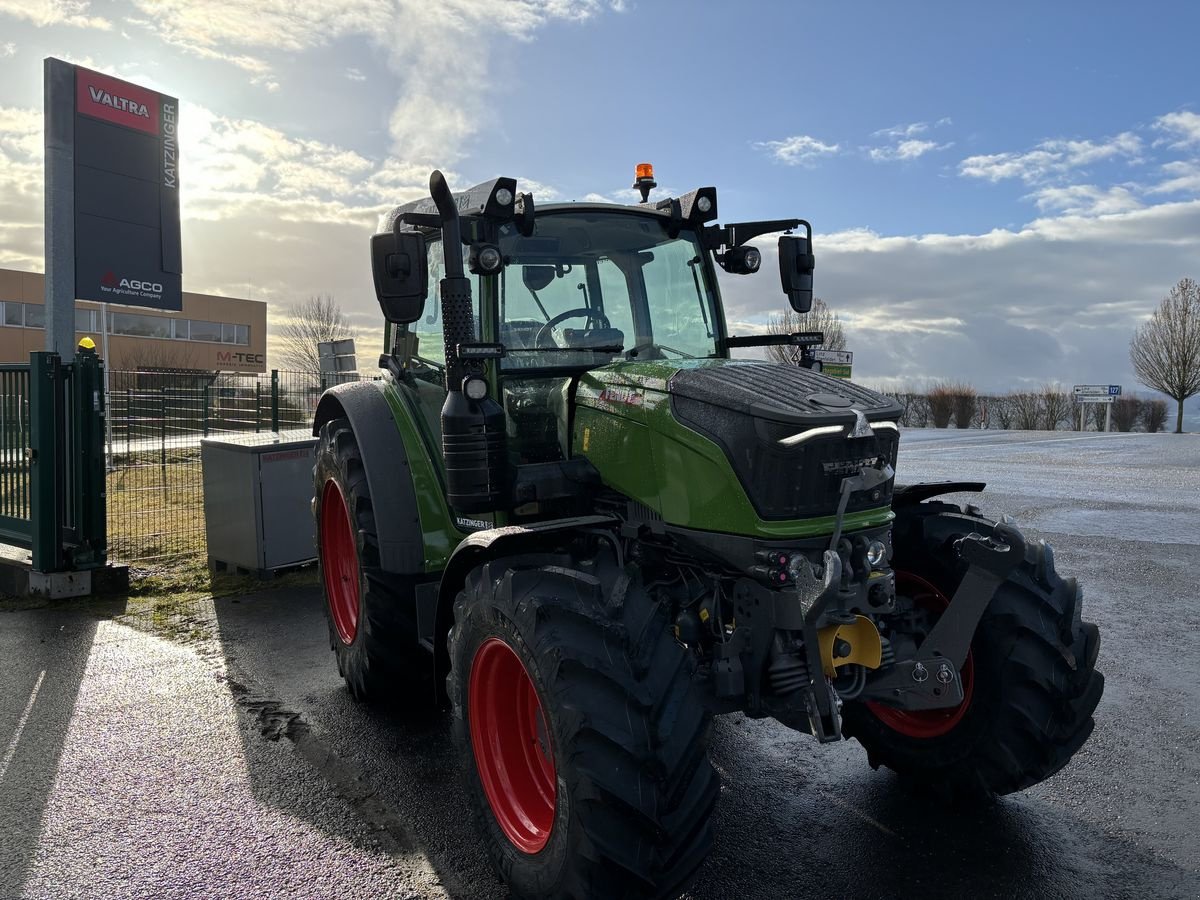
339 562
926 723
510 738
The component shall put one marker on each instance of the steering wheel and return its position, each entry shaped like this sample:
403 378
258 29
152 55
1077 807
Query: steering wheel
592 315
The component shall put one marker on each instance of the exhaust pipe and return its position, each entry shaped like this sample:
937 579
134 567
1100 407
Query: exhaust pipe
473 431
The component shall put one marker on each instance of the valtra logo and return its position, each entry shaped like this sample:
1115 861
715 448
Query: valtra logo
124 104
100 96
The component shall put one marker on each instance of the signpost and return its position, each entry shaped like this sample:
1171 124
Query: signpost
336 358
835 363
112 200
1096 393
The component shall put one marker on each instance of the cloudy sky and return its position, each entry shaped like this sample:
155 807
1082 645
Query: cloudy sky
1000 191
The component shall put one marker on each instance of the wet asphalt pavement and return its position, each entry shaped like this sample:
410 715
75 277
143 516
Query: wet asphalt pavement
229 760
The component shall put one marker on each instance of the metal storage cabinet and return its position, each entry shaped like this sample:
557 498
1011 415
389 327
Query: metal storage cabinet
257 501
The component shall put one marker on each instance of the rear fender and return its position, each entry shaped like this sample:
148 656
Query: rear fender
401 546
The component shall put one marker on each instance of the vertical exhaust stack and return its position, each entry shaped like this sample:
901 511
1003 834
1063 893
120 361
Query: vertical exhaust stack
473 433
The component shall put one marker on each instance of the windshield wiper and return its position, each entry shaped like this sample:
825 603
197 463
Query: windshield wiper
640 347
605 348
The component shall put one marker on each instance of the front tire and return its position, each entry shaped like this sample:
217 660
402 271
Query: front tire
376 652
584 739
1030 679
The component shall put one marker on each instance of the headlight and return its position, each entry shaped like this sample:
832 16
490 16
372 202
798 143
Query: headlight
504 196
475 388
877 554
703 203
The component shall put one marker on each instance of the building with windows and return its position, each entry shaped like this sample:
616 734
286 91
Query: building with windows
210 333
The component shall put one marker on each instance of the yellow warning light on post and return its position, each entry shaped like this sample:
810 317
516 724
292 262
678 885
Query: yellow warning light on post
87 344
645 170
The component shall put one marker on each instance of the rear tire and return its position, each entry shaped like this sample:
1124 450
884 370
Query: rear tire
376 652
1031 673
620 727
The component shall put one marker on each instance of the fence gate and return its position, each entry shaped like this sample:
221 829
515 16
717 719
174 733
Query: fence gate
52 498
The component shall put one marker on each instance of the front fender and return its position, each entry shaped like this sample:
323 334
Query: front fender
489 544
389 478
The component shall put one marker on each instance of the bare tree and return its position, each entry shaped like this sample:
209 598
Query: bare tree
965 403
1000 411
820 318
1154 415
1126 412
941 403
1026 410
1056 406
1165 350
317 320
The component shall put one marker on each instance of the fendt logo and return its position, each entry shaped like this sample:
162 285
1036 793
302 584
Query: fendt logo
124 104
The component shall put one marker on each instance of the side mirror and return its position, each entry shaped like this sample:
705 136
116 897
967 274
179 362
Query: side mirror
796 271
537 278
401 275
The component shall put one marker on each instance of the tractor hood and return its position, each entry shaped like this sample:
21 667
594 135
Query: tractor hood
777 392
684 415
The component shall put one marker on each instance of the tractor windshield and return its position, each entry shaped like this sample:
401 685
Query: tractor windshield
588 286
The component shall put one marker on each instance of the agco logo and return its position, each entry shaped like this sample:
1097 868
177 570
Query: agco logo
112 282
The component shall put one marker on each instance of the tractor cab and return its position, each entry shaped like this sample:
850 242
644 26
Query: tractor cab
556 291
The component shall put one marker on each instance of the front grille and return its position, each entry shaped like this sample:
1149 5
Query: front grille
797 482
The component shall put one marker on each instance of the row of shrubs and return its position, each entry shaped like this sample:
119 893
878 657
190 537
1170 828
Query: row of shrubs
1047 408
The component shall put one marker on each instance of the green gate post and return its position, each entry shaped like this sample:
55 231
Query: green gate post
275 400
89 503
44 498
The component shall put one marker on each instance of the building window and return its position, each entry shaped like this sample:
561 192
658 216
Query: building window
35 316
141 326
85 322
206 331
243 335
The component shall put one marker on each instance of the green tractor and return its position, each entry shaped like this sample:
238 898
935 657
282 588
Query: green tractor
568 514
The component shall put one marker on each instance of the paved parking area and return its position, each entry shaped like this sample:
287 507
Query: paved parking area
230 761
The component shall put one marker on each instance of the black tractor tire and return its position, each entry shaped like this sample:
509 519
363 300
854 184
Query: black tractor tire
1033 659
377 655
627 731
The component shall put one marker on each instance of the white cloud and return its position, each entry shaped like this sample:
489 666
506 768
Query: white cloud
354 74
1055 300
1183 176
1185 126
8 49
54 12
906 150
441 103
797 150
1050 159
905 144
1086 200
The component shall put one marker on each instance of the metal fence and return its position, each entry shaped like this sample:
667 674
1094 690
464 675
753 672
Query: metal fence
14 441
156 422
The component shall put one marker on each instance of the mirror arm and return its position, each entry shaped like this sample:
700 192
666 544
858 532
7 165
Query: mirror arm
716 236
